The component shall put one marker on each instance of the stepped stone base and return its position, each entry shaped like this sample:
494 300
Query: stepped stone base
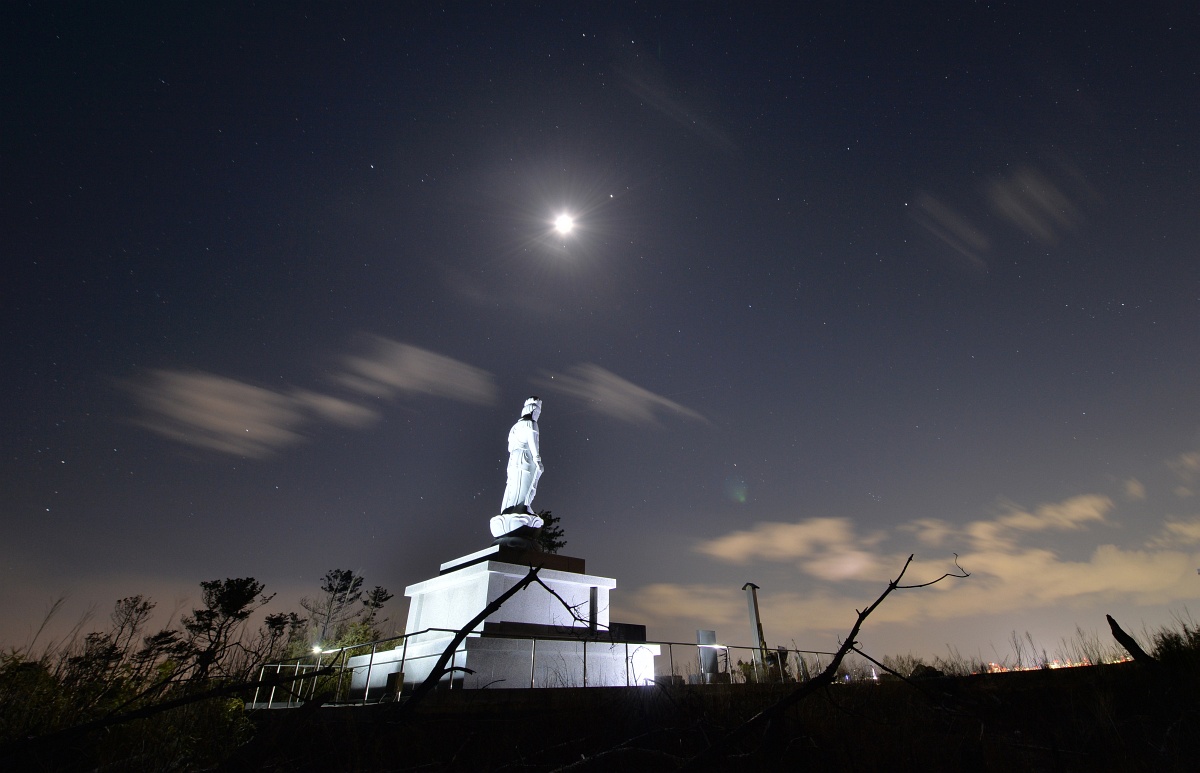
533 640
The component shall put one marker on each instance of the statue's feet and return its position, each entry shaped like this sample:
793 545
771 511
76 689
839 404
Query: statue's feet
506 522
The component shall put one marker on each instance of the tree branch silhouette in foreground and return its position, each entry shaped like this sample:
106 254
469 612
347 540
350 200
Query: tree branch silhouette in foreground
16 749
821 680
440 668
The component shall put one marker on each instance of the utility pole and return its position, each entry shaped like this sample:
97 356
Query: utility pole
756 631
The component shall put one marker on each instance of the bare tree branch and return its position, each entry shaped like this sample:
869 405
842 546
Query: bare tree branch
1130 644
965 573
824 679
572 608
439 668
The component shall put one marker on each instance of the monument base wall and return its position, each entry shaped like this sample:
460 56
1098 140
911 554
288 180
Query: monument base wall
507 663
557 647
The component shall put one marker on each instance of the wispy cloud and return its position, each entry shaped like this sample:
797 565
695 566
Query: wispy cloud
219 413
390 367
334 409
953 230
1011 569
1027 198
1186 466
829 548
222 414
1176 533
1135 490
1033 203
1069 515
608 393
647 81
823 547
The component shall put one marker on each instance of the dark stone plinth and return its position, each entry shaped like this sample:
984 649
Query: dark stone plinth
522 538
616 632
510 554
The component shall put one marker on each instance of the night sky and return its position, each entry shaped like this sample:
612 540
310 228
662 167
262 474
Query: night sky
847 283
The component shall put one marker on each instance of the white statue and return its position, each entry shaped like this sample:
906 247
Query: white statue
524 469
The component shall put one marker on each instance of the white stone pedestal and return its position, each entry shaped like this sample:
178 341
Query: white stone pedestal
450 600
531 641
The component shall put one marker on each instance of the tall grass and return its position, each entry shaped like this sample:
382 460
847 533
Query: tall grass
1178 644
90 701
55 692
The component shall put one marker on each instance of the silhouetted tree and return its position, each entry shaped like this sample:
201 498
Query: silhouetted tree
345 613
280 630
342 589
212 631
376 598
550 537
116 700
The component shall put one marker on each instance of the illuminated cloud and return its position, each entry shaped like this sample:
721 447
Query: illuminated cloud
699 602
1134 490
1009 573
1034 204
222 414
218 413
1070 515
648 82
823 547
931 531
608 393
1000 583
391 367
1186 466
335 410
1177 534
953 230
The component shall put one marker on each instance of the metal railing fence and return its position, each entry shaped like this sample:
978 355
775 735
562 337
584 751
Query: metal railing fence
676 663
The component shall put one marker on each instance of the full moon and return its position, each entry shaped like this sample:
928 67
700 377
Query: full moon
564 223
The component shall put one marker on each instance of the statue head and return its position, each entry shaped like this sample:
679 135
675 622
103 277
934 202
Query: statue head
532 407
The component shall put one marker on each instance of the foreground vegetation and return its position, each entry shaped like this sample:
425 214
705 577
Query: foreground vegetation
174 700
126 699
1102 718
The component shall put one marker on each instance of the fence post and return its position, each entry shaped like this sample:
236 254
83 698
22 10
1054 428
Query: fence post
261 671
337 689
403 656
370 665
294 686
271 697
316 679
532 663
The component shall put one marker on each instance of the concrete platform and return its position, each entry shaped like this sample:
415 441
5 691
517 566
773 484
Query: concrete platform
555 646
